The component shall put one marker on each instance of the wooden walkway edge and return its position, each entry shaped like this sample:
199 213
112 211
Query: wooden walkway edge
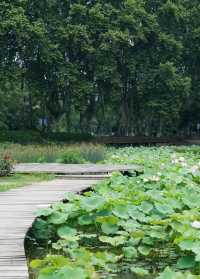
73 169
18 206
17 212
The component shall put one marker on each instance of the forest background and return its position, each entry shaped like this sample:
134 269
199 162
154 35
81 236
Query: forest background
125 67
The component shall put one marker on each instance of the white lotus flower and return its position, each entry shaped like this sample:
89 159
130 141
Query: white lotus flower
181 159
175 161
183 164
194 168
196 224
162 166
173 156
156 178
145 179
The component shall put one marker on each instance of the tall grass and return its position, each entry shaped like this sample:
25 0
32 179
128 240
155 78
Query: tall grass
50 153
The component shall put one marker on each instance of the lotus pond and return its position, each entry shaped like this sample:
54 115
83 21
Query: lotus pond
145 226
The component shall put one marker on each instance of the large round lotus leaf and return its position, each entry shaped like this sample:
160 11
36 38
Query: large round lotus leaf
164 209
144 250
109 228
85 220
114 241
139 271
64 273
70 196
170 274
92 203
71 273
65 231
188 244
44 212
121 211
146 207
58 218
130 252
186 262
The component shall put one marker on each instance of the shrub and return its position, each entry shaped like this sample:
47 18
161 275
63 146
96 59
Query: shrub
67 137
94 153
28 136
72 157
6 165
24 137
84 153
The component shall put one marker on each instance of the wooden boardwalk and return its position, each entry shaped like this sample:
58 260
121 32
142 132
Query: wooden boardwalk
70 169
142 140
18 206
17 212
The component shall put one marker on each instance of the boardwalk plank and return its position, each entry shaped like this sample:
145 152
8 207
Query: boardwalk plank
73 169
18 207
17 212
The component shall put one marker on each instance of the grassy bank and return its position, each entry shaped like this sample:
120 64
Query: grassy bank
20 180
50 153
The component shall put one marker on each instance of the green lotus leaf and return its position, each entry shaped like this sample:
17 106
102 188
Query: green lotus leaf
89 236
85 220
129 225
170 274
129 252
114 241
146 207
92 203
48 273
63 273
191 199
44 212
108 219
135 214
70 196
187 245
140 271
121 211
148 241
108 228
102 258
158 233
186 262
66 243
58 218
144 250
164 209
36 264
65 231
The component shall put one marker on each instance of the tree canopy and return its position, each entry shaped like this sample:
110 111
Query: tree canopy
128 67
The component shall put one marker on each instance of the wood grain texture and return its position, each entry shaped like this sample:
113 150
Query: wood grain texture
18 207
17 213
73 169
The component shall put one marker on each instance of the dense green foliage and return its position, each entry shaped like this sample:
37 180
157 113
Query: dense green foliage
145 226
28 136
127 66
6 165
